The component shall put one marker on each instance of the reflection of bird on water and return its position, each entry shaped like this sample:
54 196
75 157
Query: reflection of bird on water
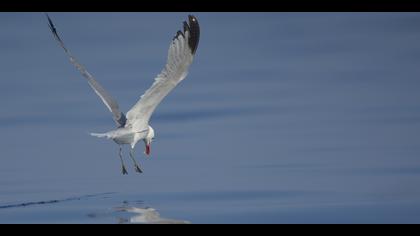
147 215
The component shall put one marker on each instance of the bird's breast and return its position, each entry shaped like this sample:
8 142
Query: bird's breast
123 136
124 139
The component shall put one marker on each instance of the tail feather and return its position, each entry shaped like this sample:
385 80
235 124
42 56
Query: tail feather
102 135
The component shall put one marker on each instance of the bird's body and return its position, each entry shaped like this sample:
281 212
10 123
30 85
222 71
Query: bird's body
122 136
135 126
126 135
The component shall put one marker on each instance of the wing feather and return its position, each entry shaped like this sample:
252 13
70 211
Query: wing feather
180 56
106 98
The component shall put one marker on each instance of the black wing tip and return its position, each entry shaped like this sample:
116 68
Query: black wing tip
55 34
52 27
50 23
192 18
194 36
186 27
48 17
178 34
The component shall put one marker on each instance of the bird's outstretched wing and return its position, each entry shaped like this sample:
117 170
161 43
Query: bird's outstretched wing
180 56
109 101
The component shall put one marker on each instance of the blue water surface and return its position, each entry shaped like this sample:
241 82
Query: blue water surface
284 118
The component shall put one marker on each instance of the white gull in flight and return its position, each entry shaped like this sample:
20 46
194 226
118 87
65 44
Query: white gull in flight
134 126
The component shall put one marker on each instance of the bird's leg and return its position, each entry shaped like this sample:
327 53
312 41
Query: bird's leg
124 171
136 166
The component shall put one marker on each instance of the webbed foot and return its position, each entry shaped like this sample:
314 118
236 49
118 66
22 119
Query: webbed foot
124 171
138 170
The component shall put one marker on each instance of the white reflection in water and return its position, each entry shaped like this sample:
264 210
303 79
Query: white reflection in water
146 215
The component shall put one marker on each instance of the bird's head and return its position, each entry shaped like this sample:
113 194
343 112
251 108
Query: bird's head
148 140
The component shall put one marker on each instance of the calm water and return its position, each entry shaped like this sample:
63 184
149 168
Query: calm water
284 118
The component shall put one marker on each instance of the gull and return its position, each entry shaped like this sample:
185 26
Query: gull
134 126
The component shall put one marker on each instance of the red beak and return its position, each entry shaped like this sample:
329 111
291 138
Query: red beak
147 149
